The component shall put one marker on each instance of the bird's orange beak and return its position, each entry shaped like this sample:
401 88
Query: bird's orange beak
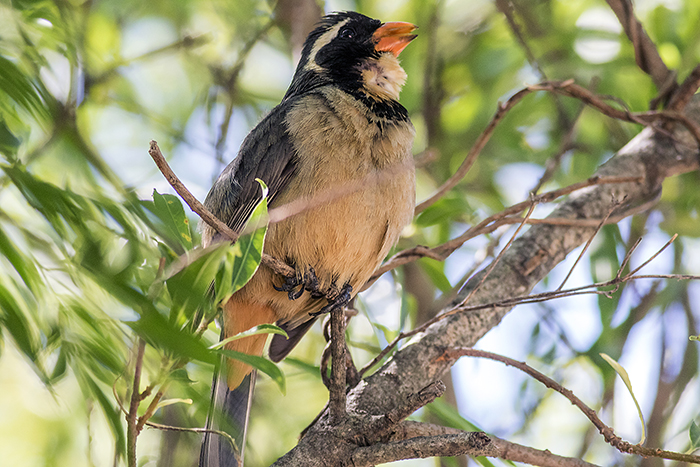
393 37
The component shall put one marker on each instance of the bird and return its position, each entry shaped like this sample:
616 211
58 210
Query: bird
336 156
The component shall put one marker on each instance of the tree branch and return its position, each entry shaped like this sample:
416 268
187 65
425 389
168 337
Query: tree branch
506 450
198 208
651 155
645 52
472 444
607 432
338 384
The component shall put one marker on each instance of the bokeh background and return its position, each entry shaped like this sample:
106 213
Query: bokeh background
85 85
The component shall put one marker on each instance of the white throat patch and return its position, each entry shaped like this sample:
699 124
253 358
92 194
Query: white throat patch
383 77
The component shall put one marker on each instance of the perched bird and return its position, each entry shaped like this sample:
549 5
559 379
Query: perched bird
338 150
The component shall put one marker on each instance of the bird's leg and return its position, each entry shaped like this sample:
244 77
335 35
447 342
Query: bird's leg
305 281
291 283
312 285
342 298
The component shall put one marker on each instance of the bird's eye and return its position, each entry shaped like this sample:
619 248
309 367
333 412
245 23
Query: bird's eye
347 33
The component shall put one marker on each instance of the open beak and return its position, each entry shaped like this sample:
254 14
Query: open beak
393 37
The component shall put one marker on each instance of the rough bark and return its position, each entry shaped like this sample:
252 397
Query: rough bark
652 155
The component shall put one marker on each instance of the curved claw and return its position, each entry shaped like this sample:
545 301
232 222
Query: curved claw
290 285
294 295
311 281
343 298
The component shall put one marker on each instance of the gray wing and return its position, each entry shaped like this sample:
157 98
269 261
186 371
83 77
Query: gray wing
267 153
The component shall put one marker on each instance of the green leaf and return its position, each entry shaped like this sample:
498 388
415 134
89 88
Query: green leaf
260 329
436 273
170 210
189 280
93 391
443 211
308 368
694 338
24 266
9 143
244 259
259 363
161 333
15 319
626 379
694 434
448 416
59 369
20 88
389 334
167 402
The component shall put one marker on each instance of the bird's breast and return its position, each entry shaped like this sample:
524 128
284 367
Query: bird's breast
352 193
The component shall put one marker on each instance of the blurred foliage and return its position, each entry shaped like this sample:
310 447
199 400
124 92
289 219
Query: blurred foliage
91 254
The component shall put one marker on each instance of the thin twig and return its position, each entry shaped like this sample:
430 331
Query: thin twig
403 335
600 225
180 429
274 264
491 223
686 91
500 255
173 428
565 145
591 289
507 7
605 430
132 431
653 257
568 88
152 407
645 52
474 151
192 202
571 89
627 257
229 85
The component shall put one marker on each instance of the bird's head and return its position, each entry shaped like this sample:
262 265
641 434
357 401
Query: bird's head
356 53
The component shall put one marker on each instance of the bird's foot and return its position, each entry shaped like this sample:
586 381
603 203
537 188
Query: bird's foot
295 285
337 298
290 285
312 285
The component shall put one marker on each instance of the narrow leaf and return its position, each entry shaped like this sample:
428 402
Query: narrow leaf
260 329
694 434
170 210
22 264
626 379
19 87
189 279
259 363
161 333
168 402
240 268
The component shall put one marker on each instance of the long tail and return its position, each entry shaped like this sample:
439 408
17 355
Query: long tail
230 408
229 412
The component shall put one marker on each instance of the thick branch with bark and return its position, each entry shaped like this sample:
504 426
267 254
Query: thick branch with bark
652 155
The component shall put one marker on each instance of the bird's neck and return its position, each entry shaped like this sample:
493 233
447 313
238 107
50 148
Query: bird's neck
382 77
376 83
